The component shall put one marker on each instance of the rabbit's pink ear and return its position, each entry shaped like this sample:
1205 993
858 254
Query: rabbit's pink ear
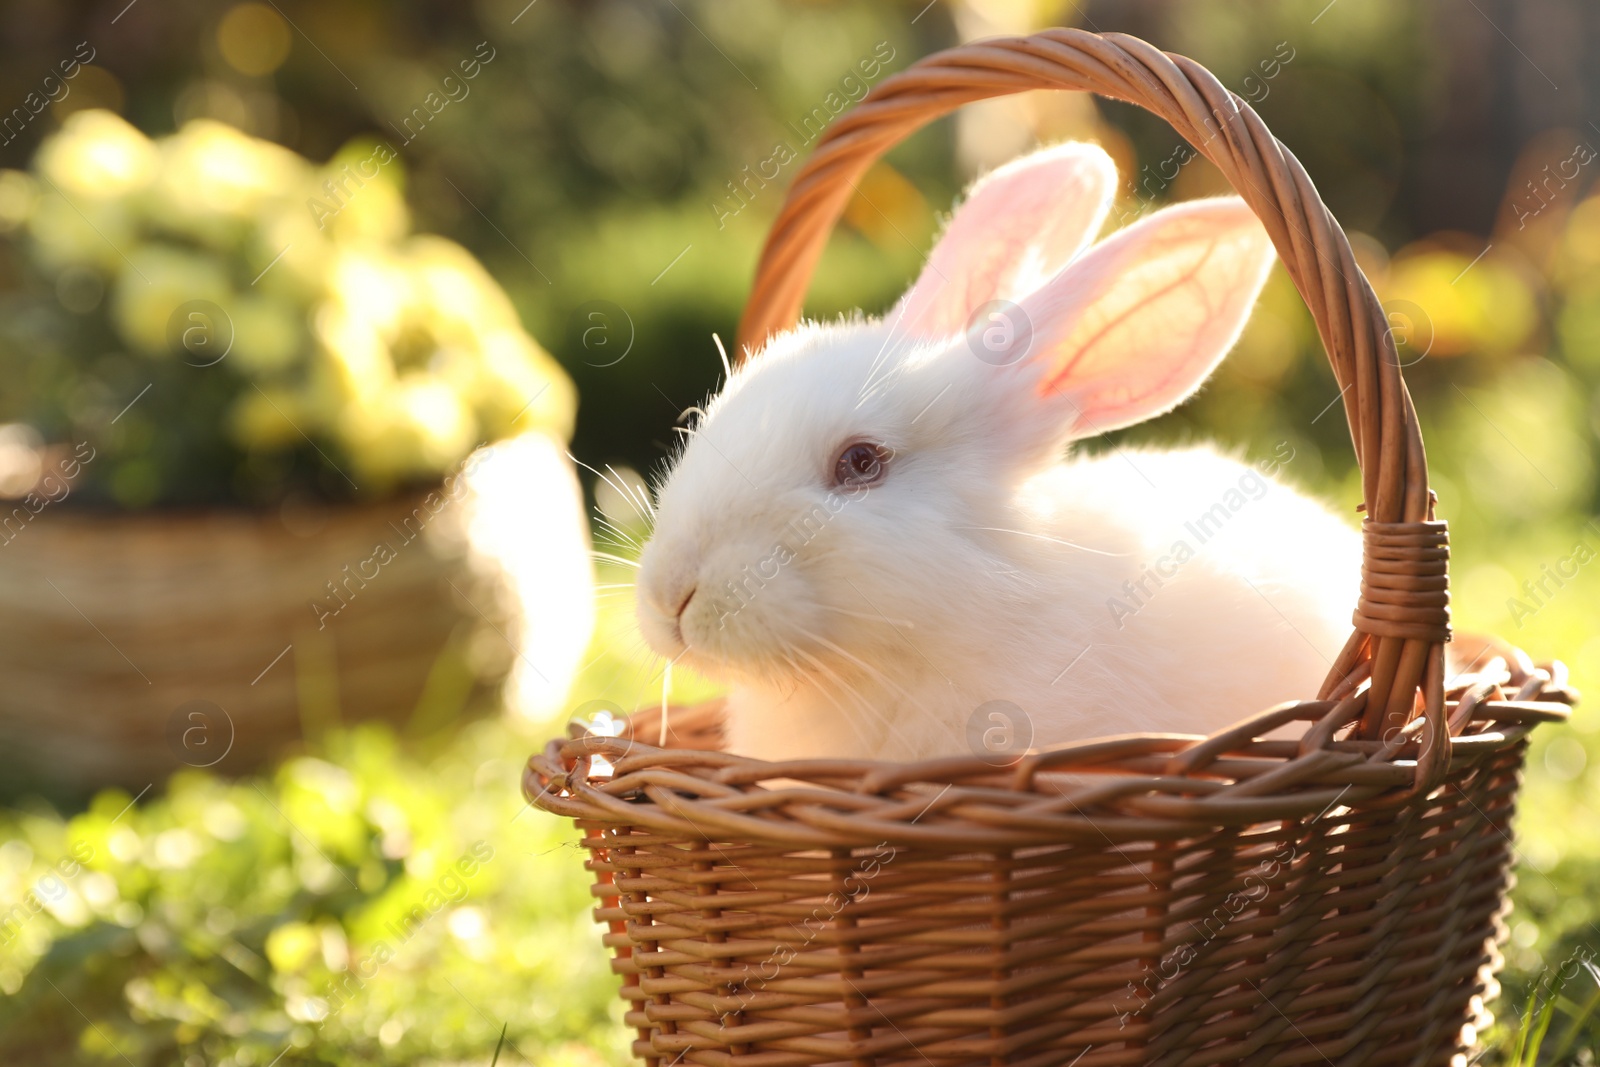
1135 326
1019 225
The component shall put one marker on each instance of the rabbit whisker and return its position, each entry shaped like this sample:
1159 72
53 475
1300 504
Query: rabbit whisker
865 705
598 657
870 616
865 667
1005 570
609 557
626 659
1041 537
615 484
892 343
619 531
829 673
643 497
614 480
649 669
628 662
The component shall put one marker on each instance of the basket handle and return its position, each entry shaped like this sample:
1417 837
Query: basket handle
1402 617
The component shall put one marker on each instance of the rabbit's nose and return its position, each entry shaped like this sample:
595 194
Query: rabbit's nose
683 605
666 599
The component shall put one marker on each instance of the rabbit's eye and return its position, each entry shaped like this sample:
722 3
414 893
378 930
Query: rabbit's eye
860 464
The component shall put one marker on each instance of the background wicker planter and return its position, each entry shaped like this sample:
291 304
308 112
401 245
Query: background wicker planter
112 625
1145 899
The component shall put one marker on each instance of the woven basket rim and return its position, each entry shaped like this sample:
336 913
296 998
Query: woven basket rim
1140 787
70 512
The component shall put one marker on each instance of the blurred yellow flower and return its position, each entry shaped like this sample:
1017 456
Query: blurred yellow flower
399 351
156 279
407 432
1458 305
357 356
1579 253
298 251
523 383
87 234
370 284
212 175
444 428
357 195
268 334
460 297
97 156
265 419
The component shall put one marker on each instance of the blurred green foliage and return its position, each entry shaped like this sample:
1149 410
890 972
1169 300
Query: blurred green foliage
364 904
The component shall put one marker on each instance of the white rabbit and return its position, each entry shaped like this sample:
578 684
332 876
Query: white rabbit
873 535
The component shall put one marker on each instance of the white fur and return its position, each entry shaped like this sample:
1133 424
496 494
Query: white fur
982 567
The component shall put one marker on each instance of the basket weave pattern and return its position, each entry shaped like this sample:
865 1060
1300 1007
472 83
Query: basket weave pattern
110 624
1145 899
1202 901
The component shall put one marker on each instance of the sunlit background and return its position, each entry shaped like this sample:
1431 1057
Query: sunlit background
304 305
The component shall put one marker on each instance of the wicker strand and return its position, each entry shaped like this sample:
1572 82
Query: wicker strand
1404 590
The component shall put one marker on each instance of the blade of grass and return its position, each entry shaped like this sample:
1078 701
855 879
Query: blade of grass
498 1045
1546 1014
1574 1029
1525 1028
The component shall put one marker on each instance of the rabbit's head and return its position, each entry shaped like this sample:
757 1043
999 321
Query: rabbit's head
833 500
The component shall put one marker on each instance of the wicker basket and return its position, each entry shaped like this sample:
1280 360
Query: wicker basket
132 645
1144 899
112 625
